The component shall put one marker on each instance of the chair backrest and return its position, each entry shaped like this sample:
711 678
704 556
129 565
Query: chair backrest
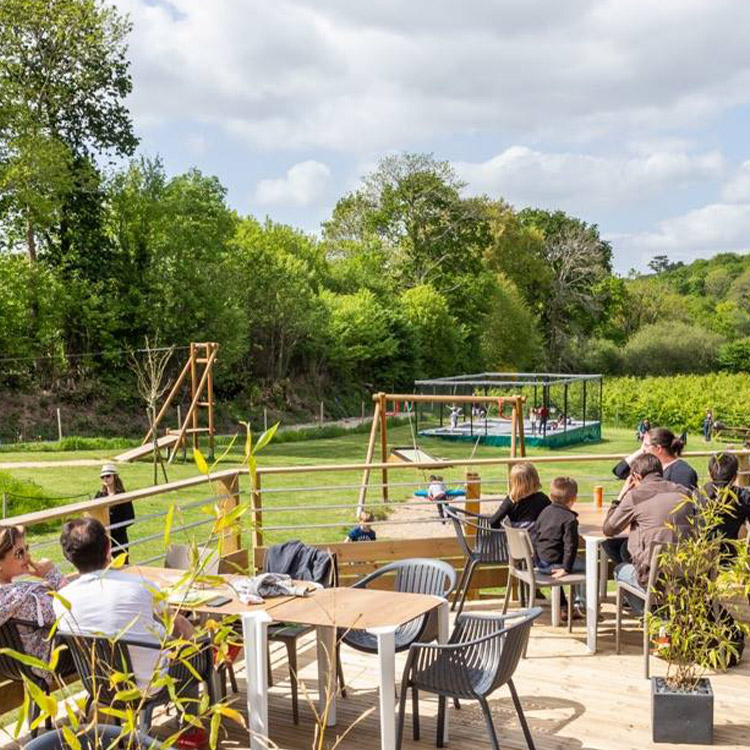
489 544
494 645
520 548
419 575
180 557
96 659
10 668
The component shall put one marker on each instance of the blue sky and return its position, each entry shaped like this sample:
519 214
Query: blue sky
630 114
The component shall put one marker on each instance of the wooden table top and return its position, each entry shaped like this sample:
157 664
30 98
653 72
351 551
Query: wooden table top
343 607
358 609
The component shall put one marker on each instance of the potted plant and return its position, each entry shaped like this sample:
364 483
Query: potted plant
694 631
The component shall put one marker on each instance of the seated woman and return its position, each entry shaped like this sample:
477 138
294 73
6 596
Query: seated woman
723 469
525 500
667 448
27 600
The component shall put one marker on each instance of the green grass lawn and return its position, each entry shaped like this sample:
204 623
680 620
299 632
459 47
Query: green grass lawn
296 492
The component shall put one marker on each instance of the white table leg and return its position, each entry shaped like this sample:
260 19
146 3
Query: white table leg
603 577
255 633
327 673
387 661
443 636
592 590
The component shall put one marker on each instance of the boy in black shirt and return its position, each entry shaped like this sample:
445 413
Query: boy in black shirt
556 533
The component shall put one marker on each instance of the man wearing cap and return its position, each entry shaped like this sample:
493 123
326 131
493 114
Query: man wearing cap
120 516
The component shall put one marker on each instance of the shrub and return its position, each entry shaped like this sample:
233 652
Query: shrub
735 356
671 347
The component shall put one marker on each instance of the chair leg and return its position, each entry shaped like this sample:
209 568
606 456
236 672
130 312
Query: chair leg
401 712
521 716
506 601
466 587
414 713
488 721
441 722
555 605
270 671
291 650
646 642
570 609
460 586
340 671
34 711
618 618
232 678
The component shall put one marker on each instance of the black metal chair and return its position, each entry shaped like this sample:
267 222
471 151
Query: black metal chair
12 669
416 576
489 548
98 657
481 656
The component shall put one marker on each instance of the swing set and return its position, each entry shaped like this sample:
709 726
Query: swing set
412 403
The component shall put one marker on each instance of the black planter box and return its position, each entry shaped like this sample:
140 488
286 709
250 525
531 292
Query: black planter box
682 718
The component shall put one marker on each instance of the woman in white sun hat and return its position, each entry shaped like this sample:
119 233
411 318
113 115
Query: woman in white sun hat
124 513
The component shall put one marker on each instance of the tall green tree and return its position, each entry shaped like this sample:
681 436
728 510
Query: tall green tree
63 81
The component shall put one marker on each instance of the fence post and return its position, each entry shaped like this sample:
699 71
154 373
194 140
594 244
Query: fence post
322 417
473 505
363 410
265 419
598 496
743 476
228 490
5 506
59 425
256 502
101 514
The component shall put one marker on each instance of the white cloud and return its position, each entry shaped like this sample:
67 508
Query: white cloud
303 185
737 190
196 144
359 76
527 177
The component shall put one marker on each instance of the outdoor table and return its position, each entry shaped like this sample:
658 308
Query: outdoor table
377 612
590 521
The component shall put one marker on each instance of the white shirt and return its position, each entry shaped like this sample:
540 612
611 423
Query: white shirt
436 489
110 602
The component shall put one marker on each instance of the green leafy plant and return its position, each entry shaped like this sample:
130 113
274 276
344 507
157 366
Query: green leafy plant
694 630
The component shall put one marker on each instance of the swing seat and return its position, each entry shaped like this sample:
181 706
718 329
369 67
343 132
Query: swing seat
449 493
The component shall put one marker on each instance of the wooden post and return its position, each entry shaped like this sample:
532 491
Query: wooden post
100 514
521 435
193 391
322 417
513 430
265 419
598 496
59 425
229 494
169 398
743 476
384 443
256 503
363 411
210 387
473 505
368 459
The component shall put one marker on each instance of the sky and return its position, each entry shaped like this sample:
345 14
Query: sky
630 114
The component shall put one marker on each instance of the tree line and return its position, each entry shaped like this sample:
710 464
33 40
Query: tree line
409 277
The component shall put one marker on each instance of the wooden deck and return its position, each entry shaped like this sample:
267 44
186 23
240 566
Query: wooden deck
573 701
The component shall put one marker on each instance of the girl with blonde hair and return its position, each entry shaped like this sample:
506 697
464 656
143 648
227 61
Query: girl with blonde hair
525 500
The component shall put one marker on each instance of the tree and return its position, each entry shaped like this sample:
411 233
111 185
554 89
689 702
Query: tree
63 81
578 261
411 206
661 264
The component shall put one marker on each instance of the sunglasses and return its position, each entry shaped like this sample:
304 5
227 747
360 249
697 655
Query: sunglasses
21 553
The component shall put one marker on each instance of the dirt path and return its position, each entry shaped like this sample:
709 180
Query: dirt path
413 520
52 464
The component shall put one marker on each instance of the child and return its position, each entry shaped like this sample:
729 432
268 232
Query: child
438 493
556 533
363 532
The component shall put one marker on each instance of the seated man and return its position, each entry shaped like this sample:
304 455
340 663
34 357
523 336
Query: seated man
111 602
646 504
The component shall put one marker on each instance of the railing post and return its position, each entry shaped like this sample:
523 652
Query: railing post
256 498
598 496
101 514
743 476
473 505
228 490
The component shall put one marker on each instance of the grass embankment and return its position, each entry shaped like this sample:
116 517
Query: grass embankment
283 491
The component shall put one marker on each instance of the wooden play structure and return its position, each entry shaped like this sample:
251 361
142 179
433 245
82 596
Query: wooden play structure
402 455
198 371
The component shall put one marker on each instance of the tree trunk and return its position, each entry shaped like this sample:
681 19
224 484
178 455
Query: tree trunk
30 240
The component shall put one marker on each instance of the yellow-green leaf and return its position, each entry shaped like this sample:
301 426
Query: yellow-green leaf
168 525
266 438
22 714
29 661
213 739
70 738
232 714
119 561
200 461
